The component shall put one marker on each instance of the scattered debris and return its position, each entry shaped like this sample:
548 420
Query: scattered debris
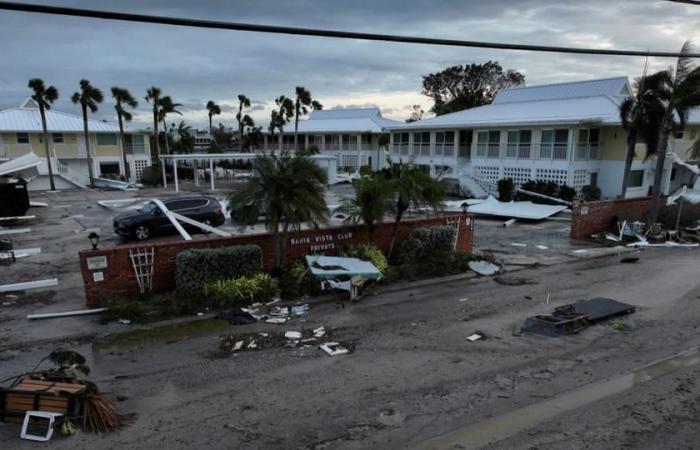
237 316
4 231
237 346
319 332
518 210
570 319
542 247
125 321
518 244
513 281
29 285
293 335
81 312
34 204
277 320
477 335
483 267
629 259
508 223
333 348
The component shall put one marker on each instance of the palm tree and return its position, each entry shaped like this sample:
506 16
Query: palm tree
275 122
88 98
122 97
182 137
44 97
166 106
248 124
288 190
285 112
153 97
411 187
214 110
243 102
301 108
642 115
679 91
371 202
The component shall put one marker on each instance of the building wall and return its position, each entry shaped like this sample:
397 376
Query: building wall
598 217
119 278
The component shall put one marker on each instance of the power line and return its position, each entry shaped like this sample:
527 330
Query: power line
299 31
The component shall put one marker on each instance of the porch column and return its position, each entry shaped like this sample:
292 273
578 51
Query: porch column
211 173
177 186
162 168
322 144
359 151
195 172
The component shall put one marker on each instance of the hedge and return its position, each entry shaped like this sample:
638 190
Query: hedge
195 268
426 243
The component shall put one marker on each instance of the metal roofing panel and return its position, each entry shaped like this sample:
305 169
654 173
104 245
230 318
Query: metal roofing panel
349 113
29 120
591 88
358 120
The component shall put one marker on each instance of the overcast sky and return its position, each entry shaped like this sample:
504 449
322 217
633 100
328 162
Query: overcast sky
196 65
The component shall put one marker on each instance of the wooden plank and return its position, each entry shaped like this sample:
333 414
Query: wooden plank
29 285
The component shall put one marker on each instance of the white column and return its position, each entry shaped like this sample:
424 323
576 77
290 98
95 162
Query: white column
359 151
177 186
195 172
211 172
162 168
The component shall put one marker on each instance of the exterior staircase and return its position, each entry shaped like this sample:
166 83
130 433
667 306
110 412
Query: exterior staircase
477 187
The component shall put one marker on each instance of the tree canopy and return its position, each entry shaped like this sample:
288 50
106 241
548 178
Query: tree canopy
467 86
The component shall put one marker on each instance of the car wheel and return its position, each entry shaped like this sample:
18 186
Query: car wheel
207 222
142 232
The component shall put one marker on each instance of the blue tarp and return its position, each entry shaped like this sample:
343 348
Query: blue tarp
333 267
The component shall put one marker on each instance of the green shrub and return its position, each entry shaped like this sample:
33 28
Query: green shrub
151 176
505 189
134 309
260 287
368 252
296 281
197 267
426 243
410 252
590 193
567 193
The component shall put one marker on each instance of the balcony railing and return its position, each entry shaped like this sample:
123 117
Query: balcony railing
587 151
421 149
135 149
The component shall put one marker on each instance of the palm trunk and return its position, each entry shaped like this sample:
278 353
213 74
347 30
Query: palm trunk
283 244
46 147
155 130
629 158
296 130
211 130
394 232
165 136
91 173
658 177
121 138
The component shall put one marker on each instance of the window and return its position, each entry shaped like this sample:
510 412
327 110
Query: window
587 144
465 143
421 143
109 168
22 138
636 178
519 144
104 139
346 142
488 143
445 143
366 140
401 143
57 138
554 144
333 142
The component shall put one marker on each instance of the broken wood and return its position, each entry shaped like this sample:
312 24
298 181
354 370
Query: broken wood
29 285
80 312
15 231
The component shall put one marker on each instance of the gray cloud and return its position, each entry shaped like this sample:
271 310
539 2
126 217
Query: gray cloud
194 65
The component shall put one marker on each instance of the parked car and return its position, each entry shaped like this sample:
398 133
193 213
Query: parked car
150 220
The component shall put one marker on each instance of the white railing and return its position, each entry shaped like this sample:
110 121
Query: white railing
587 151
67 173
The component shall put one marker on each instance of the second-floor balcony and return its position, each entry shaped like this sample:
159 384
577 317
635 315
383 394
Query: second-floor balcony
587 151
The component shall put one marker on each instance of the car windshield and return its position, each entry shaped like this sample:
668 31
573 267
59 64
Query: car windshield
149 208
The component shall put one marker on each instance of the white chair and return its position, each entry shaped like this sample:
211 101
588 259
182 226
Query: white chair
50 416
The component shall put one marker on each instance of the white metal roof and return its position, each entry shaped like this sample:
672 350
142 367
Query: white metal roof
351 120
21 165
618 86
27 119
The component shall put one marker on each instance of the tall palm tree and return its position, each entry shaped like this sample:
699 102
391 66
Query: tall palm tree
248 124
680 92
153 95
213 110
243 102
167 106
275 122
122 98
288 190
284 113
88 98
302 104
411 187
371 202
44 97
641 115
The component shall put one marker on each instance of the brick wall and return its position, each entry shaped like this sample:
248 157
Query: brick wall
108 272
597 217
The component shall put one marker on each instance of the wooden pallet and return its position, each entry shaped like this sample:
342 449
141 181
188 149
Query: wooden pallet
37 395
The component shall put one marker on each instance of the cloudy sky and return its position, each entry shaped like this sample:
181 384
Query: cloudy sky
196 65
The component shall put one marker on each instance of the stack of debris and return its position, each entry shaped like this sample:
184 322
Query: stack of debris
570 319
639 234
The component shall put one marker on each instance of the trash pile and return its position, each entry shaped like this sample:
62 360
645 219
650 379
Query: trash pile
639 234
306 338
570 319
267 312
58 397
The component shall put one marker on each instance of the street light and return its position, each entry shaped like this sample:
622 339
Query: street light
94 239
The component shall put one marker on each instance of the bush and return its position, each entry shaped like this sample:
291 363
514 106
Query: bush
590 193
260 287
567 193
368 252
151 176
195 268
505 189
296 281
426 243
134 309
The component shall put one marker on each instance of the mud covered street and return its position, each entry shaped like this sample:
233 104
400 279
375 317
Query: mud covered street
413 375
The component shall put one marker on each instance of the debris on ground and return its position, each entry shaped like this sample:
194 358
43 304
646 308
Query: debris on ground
476 336
629 259
256 312
513 281
570 319
305 338
237 316
334 349
484 268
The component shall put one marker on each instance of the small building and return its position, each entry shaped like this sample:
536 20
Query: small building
21 133
202 141
351 135
569 133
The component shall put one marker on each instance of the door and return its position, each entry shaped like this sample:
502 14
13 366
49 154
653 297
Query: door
594 179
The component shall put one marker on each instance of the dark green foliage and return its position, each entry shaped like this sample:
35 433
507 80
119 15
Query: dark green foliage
368 252
548 188
567 193
134 309
197 267
590 193
260 287
505 189
425 244
295 281
690 215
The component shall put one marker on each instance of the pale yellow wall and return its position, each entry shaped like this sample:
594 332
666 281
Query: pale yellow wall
68 149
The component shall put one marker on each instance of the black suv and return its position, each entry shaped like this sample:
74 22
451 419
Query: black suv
149 220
